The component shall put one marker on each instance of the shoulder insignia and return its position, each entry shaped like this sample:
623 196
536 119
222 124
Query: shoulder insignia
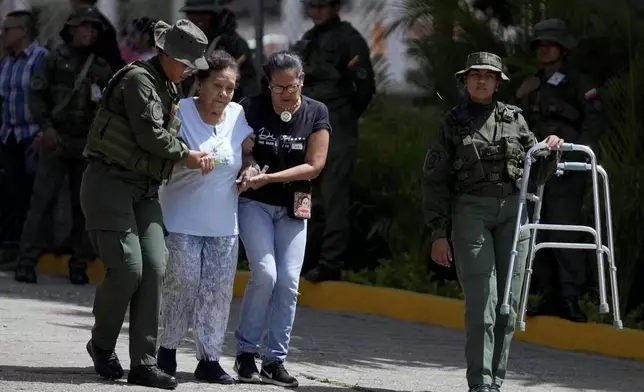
36 83
432 159
157 111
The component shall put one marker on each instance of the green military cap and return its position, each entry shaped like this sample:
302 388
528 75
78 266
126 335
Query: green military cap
183 41
84 14
553 30
204 5
483 60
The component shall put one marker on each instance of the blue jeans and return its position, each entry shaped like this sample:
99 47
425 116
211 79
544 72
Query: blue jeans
275 245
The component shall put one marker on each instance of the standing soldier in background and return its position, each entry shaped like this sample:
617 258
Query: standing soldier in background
339 73
107 46
64 93
559 100
132 148
220 26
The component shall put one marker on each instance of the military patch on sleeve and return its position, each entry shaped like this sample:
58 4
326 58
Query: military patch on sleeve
157 111
36 84
153 112
432 159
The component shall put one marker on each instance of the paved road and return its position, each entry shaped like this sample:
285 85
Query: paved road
44 328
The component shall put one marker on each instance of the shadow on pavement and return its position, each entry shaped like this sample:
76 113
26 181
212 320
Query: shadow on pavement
86 375
363 343
55 375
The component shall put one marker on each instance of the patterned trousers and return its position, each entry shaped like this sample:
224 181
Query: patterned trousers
198 289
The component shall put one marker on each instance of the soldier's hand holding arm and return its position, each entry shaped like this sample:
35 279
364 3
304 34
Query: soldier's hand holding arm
437 196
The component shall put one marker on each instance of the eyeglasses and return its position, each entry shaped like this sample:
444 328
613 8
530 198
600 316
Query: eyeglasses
280 89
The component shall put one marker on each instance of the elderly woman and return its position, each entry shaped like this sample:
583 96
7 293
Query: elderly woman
470 181
200 213
292 133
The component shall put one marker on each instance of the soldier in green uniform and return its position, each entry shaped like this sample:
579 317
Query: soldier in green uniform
132 147
471 175
64 93
220 26
559 100
339 73
107 45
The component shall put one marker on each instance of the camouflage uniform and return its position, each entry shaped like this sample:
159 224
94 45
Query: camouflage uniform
53 83
339 73
565 104
471 175
132 148
223 28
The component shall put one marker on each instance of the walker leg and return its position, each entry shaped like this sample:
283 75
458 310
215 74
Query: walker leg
531 255
603 303
505 305
611 254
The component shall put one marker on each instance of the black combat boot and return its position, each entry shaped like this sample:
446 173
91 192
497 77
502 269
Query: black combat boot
77 272
151 376
167 360
322 274
26 274
480 388
211 371
106 363
570 310
495 388
548 306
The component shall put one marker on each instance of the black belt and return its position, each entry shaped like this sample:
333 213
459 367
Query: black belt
499 189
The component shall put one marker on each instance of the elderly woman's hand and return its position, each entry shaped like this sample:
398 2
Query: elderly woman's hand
553 141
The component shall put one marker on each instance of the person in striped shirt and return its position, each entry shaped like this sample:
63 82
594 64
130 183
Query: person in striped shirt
18 129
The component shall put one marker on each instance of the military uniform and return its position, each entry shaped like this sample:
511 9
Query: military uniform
338 73
222 35
471 177
62 97
565 104
132 147
107 45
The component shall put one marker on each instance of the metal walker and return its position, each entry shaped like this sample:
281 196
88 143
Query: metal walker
541 149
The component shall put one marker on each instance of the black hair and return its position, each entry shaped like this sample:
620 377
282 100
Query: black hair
278 61
218 61
28 19
145 25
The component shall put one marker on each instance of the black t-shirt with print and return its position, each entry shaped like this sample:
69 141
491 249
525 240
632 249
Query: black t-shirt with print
291 138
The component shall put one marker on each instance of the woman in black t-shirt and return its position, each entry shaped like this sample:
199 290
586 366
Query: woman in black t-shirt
292 137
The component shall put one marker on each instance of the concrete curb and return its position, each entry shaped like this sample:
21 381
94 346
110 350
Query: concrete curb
428 309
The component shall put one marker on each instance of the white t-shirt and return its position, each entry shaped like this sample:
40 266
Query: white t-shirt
200 205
